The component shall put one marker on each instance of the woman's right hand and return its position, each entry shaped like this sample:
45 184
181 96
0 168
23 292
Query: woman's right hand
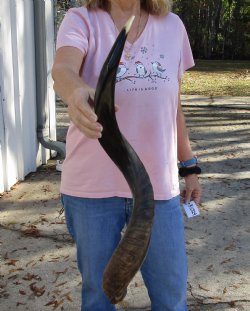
74 92
81 112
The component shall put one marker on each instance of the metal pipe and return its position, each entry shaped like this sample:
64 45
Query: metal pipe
41 81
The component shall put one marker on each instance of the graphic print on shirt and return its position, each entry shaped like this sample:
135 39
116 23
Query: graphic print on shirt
147 67
122 69
140 69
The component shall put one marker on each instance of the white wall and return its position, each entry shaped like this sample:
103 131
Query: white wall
2 134
20 152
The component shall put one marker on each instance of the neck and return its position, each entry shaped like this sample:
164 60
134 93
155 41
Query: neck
122 10
128 8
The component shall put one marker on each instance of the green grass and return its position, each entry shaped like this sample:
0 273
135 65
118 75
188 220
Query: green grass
218 78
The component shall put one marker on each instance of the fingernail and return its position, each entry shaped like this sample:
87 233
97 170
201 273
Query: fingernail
99 127
93 118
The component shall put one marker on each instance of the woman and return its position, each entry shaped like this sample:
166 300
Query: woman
95 195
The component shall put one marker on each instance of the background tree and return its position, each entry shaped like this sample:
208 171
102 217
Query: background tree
218 29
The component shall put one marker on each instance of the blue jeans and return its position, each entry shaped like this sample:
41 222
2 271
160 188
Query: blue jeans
96 225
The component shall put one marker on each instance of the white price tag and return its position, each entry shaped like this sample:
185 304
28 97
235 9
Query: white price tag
191 209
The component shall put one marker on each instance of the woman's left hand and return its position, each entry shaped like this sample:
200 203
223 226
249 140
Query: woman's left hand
192 191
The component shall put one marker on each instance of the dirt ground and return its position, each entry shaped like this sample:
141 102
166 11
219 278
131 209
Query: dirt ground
37 258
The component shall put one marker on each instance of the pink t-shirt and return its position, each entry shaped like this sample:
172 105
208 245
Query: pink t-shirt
147 96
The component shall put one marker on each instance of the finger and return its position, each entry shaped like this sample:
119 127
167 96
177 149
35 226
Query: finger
89 128
116 108
188 196
197 198
197 195
88 123
83 114
84 107
88 111
90 133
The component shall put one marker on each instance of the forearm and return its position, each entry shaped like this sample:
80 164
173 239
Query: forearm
192 189
183 143
66 82
74 92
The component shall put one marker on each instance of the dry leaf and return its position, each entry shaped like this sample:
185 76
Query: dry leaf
61 284
236 272
210 268
58 274
38 292
29 277
215 298
42 258
20 304
55 303
226 261
230 247
203 288
31 231
232 304
67 296
15 270
11 262
30 262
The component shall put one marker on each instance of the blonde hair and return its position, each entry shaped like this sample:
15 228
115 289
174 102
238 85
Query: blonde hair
154 7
